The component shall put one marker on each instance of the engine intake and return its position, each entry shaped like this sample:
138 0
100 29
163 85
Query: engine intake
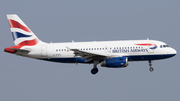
115 62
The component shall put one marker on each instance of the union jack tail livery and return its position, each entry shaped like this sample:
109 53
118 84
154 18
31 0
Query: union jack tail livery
21 34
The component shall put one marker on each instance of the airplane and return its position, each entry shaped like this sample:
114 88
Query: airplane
110 54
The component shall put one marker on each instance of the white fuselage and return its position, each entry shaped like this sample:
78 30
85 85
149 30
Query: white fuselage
135 50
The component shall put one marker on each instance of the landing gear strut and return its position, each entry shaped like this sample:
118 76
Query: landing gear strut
95 69
150 64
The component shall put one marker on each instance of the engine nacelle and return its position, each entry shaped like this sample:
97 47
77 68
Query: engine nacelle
115 62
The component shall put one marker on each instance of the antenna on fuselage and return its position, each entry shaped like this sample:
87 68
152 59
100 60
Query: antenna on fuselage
147 38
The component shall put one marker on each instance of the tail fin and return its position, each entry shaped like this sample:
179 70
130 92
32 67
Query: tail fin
22 35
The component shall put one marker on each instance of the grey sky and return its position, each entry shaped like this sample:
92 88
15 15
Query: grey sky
24 79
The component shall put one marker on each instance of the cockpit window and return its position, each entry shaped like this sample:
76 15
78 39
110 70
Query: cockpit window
163 46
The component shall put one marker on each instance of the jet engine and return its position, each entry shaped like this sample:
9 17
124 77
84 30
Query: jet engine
116 62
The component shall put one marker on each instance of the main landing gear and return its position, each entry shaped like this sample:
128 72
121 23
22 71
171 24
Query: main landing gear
150 64
95 69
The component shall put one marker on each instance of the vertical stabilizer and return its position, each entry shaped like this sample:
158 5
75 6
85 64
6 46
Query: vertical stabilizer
21 34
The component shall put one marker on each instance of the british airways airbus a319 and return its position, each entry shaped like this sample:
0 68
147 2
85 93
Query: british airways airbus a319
111 54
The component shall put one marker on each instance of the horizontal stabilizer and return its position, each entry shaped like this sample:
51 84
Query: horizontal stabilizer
15 49
23 50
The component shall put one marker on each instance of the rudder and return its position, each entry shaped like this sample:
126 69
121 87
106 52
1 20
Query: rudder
21 34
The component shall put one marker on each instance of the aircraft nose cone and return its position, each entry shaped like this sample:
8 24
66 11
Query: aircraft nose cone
174 51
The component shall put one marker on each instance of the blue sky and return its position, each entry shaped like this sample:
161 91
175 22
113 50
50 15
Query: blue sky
25 79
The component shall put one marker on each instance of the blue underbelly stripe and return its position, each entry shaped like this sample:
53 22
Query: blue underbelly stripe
130 58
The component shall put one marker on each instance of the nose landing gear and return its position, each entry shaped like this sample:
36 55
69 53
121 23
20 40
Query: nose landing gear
150 64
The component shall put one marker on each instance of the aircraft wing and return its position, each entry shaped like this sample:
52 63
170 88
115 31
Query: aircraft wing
88 55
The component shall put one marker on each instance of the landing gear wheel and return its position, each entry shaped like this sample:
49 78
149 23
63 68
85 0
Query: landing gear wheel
151 69
94 70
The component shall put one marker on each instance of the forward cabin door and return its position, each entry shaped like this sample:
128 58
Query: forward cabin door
44 51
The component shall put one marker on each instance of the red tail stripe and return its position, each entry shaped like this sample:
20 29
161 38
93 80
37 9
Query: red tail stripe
24 43
29 42
15 24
